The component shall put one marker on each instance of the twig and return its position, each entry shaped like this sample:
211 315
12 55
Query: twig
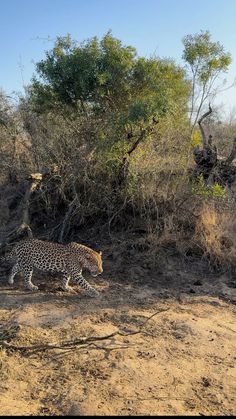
81 342
158 398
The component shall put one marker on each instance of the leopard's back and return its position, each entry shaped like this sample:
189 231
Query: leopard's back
56 257
35 253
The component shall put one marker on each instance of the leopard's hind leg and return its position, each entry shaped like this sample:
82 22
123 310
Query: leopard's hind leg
15 269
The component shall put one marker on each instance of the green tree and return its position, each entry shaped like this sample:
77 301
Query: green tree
118 94
207 60
99 76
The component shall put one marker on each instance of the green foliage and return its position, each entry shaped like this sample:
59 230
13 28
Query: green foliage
106 77
207 60
196 138
218 191
200 188
205 57
109 91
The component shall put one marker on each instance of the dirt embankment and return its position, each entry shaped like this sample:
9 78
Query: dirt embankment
174 353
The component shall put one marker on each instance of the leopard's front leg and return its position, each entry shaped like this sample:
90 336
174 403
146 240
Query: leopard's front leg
79 279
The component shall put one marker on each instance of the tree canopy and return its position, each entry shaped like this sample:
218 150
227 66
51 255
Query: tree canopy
105 76
207 61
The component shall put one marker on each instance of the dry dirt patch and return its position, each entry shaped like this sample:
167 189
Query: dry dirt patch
180 362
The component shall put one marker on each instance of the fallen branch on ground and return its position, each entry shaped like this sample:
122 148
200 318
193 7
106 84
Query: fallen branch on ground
80 342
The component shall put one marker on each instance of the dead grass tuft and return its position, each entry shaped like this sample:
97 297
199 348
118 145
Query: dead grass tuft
216 233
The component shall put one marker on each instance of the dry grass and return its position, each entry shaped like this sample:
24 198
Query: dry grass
216 233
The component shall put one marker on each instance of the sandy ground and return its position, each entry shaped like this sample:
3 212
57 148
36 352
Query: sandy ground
180 361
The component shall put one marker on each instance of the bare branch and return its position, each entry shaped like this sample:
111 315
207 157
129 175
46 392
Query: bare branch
232 154
205 114
33 182
125 163
204 141
80 342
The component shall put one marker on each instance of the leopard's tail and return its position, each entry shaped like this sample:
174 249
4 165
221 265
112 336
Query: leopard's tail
8 257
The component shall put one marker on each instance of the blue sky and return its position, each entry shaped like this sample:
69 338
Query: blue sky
151 26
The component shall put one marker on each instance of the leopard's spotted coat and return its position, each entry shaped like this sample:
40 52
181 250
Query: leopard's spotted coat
69 259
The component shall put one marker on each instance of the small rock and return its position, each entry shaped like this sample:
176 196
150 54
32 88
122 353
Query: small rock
192 291
198 283
206 382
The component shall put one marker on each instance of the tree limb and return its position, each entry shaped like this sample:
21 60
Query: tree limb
33 181
232 154
125 163
204 141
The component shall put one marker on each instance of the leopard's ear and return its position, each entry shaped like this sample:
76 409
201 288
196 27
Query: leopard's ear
100 253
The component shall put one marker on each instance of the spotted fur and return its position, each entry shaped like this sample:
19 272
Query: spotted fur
68 259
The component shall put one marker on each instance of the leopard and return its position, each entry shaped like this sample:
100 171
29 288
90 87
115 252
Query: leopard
67 259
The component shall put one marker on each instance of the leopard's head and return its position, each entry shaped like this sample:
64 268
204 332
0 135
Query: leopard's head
93 262
89 259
